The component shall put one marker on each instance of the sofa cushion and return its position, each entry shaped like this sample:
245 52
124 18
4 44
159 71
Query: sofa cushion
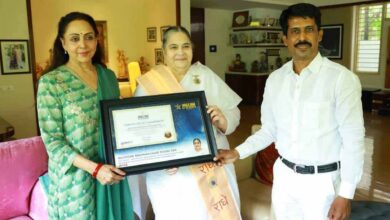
38 202
264 164
21 163
255 200
23 217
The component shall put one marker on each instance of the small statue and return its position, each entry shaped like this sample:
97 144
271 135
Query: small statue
255 67
143 65
278 62
237 65
263 65
123 72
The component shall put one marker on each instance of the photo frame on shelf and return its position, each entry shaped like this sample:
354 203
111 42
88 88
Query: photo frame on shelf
331 45
274 37
15 57
270 22
162 31
240 19
151 34
102 38
159 56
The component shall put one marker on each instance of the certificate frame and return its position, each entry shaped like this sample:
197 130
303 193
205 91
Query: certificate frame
191 121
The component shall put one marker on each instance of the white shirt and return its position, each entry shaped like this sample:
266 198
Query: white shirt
314 118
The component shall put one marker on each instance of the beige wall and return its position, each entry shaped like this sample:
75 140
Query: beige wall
345 15
126 24
17 105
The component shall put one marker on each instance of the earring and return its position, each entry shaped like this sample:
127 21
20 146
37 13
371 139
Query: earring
65 52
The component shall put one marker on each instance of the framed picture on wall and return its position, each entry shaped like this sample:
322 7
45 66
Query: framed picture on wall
159 56
151 34
162 31
102 38
331 45
15 56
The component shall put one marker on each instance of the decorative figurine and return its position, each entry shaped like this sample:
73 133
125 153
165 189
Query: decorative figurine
237 65
255 67
143 65
263 65
278 62
122 65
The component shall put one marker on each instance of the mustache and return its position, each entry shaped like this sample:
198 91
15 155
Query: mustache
303 43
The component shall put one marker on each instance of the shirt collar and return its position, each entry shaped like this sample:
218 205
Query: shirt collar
313 67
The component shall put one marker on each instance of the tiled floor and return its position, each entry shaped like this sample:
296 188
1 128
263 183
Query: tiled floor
375 183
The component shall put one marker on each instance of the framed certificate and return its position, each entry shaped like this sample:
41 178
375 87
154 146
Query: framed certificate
157 132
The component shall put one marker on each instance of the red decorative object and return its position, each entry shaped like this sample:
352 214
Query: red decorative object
264 163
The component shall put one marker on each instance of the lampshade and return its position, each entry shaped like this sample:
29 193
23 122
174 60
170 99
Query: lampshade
134 73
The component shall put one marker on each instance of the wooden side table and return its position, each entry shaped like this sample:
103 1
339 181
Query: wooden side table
367 98
249 86
6 130
380 102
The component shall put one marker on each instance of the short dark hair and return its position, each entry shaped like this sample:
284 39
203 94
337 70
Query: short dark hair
58 56
300 10
172 29
196 139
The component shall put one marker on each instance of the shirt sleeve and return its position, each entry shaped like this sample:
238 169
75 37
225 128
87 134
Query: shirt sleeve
265 136
349 116
50 121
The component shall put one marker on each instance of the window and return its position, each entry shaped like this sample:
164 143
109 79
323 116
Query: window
368 38
388 10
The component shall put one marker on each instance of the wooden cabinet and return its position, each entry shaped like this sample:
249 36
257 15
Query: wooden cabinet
249 86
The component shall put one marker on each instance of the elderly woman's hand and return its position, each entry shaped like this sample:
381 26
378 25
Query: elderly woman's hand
217 118
108 175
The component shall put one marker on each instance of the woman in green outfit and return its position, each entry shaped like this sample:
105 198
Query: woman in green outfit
69 120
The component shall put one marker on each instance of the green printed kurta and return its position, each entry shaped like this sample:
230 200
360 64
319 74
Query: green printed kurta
68 117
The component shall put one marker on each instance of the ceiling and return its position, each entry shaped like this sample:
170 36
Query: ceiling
276 4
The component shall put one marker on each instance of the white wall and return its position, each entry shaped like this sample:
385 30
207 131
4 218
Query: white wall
185 14
217 29
17 104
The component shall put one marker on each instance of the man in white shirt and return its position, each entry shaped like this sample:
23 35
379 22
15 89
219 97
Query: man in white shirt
312 111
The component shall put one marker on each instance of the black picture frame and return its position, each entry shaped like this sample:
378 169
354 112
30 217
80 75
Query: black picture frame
162 31
158 56
151 34
191 122
240 19
331 45
15 56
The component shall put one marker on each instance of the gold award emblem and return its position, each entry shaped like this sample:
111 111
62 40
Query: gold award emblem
168 134
196 79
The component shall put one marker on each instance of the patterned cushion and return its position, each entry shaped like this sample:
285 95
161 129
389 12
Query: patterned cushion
264 164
